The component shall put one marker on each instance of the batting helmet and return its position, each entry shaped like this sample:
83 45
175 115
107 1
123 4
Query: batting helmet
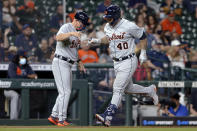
113 11
83 17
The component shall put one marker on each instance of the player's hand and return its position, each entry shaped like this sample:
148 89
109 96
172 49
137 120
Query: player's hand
76 34
81 67
84 44
142 57
93 41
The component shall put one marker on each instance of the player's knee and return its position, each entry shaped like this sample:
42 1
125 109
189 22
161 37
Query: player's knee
65 92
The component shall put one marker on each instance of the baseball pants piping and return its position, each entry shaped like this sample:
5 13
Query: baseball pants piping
63 79
123 82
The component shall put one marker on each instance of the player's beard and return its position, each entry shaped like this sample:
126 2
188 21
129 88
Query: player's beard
109 20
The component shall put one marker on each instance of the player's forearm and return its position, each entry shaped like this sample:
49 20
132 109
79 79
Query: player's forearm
97 42
63 36
104 40
143 44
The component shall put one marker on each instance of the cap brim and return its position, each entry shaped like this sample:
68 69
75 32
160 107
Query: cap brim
107 16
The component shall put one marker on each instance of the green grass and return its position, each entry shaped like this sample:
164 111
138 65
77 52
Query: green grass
96 129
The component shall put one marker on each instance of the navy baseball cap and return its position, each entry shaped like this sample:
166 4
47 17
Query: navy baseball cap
25 26
83 17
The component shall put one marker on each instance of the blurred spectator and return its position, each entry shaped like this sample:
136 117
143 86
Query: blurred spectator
109 76
166 6
1 13
170 24
166 38
87 55
145 10
178 6
158 62
91 32
176 55
12 51
52 42
154 5
18 68
1 46
26 41
24 4
4 44
174 107
68 19
162 37
151 23
27 14
43 53
101 8
134 3
105 55
9 10
78 7
7 13
140 20
142 72
15 25
57 20
142 9
193 104
193 58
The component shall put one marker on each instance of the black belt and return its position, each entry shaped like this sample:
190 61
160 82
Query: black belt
124 58
64 58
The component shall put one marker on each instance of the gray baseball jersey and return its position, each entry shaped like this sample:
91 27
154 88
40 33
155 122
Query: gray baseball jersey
122 37
62 71
69 47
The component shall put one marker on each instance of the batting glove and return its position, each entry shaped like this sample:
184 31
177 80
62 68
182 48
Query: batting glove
94 42
143 56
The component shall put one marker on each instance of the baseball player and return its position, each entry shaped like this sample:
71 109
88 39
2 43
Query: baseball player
68 40
120 34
